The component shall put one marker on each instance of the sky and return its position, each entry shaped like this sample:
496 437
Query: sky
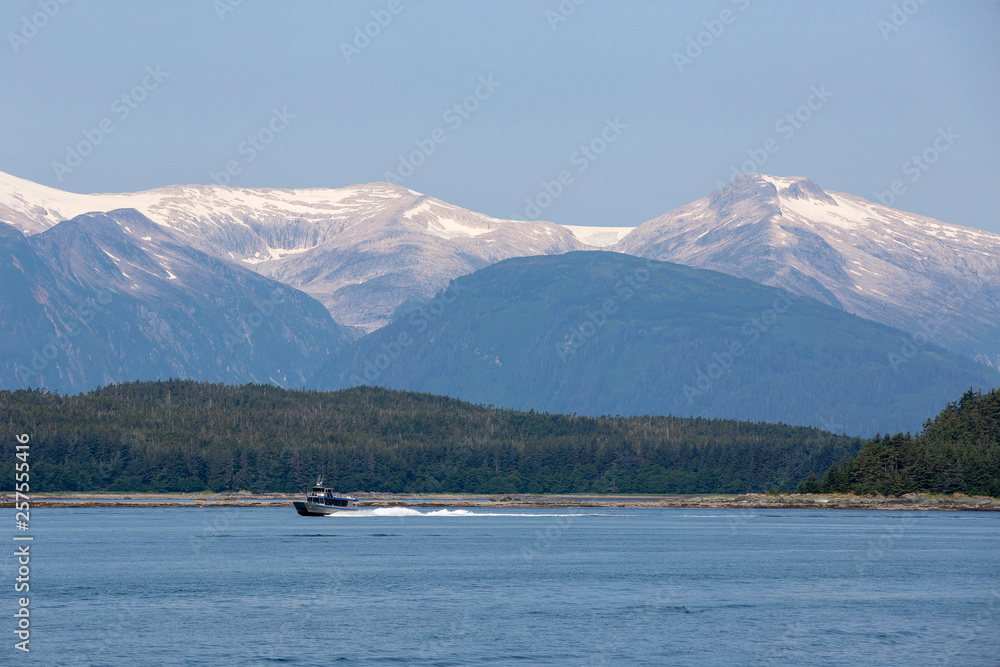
582 112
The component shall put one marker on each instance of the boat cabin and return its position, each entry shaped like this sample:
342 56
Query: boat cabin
323 496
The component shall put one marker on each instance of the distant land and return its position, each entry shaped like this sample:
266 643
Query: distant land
71 319
597 333
894 314
191 437
813 501
958 452
237 443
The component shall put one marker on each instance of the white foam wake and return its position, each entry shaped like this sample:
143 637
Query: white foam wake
407 511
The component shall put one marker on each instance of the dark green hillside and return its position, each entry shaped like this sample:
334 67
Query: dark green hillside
604 333
188 436
958 452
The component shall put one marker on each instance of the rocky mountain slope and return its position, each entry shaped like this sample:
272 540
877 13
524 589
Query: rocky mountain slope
113 297
368 252
362 251
937 282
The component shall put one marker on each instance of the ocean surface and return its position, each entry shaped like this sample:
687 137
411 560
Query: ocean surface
264 586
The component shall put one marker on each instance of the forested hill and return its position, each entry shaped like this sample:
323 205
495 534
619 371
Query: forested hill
957 452
597 333
188 436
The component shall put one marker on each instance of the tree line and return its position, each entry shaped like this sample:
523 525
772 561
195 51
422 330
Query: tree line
186 436
957 452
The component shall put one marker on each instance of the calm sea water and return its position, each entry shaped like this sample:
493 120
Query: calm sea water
263 586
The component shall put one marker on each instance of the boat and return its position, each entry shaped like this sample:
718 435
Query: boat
322 501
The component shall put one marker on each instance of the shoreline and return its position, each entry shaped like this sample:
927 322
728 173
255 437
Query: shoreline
908 502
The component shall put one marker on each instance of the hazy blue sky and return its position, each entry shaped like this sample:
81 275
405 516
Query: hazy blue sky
672 128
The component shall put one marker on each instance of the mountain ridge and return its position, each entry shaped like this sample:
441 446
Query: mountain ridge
85 304
366 251
931 279
360 250
598 333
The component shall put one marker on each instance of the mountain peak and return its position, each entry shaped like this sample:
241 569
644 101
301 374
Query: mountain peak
798 187
361 250
763 186
886 265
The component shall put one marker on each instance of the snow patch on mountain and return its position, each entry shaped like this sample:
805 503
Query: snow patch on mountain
362 250
901 269
600 237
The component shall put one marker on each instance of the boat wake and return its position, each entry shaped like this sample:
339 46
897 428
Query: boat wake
407 511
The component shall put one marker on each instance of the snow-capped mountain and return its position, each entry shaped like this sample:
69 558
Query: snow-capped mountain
114 297
936 281
362 251
366 250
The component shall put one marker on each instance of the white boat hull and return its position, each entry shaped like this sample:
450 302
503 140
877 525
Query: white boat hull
312 509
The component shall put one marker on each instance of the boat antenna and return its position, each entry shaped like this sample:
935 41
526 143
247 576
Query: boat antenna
319 481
